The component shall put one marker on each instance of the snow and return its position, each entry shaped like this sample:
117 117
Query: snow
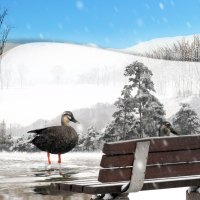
150 45
165 194
45 79
79 5
161 5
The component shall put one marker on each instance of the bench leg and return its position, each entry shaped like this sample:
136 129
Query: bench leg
193 195
123 196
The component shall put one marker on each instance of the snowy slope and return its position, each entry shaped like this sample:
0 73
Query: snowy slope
44 79
148 46
10 45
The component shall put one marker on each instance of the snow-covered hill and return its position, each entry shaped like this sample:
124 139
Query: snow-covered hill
41 80
10 45
148 46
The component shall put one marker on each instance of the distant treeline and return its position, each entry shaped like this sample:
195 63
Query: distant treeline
182 50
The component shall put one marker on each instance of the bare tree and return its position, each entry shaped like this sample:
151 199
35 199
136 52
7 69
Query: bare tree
4 31
182 50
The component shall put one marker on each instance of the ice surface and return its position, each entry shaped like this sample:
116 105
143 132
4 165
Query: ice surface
24 176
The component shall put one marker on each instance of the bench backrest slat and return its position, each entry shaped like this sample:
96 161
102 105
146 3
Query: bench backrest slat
124 160
156 145
155 171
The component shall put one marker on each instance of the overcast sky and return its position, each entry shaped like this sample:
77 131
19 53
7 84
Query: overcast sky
106 23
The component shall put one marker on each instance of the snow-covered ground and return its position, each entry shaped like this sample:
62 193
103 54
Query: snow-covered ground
23 177
41 80
148 46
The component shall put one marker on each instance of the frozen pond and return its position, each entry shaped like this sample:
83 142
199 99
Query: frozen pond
24 176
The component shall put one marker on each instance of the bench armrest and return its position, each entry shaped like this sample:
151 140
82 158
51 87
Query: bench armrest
139 168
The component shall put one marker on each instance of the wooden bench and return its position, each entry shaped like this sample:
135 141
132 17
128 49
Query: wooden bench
142 164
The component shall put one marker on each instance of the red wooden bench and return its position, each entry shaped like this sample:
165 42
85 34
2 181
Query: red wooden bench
142 164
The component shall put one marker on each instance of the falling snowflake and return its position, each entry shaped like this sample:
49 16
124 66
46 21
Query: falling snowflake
140 22
60 26
165 20
107 39
161 5
188 24
172 3
28 26
80 5
116 9
86 29
41 36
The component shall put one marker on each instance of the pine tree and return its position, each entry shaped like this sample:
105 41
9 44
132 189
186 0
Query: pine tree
81 141
137 114
145 106
92 140
5 139
110 133
123 118
153 114
186 120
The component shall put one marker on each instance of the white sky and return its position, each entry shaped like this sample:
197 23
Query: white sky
24 106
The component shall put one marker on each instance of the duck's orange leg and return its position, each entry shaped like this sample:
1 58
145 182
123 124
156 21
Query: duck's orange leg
59 158
48 156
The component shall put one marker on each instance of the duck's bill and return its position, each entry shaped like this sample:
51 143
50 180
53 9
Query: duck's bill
75 121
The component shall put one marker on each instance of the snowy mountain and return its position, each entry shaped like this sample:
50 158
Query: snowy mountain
42 80
148 46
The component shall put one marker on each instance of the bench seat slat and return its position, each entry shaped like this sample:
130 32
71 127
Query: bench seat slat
67 185
102 188
79 187
153 171
156 144
153 158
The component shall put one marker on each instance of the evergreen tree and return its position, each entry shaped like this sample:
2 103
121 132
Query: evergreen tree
5 139
92 140
186 120
153 114
22 144
137 114
80 146
110 133
123 118
146 107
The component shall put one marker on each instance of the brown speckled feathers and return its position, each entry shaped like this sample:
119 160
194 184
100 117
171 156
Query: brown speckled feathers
55 139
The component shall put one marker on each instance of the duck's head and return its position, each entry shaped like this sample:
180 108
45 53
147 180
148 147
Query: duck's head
167 124
67 116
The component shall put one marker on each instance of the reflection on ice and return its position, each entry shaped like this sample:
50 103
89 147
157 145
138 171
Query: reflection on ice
25 175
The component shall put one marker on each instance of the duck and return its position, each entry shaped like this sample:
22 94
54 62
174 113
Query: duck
166 128
56 139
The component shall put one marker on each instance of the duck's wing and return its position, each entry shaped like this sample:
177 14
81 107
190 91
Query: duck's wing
38 131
